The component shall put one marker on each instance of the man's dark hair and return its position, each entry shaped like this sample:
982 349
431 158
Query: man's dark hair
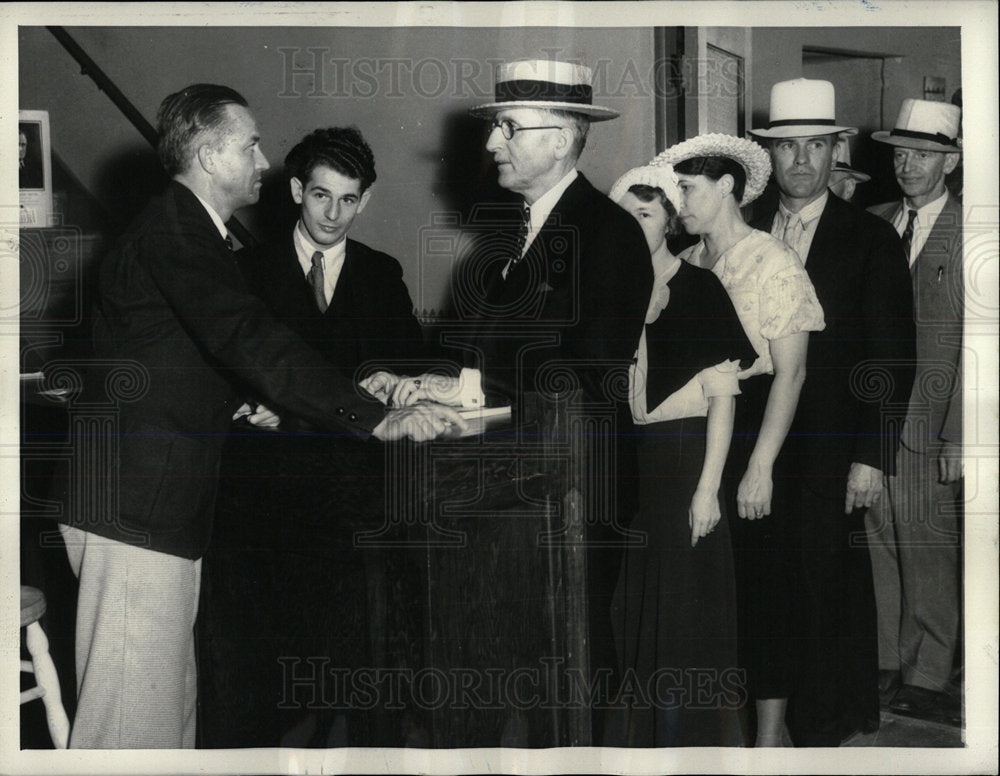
186 116
342 149
713 168
648 194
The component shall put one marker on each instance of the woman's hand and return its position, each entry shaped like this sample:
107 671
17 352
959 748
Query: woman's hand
753 497
703 514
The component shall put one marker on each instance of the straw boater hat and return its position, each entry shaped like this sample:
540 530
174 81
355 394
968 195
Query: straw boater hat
661 177
801 108
926 126
542 83
755 160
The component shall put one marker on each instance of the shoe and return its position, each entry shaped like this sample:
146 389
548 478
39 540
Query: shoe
913 701
888 686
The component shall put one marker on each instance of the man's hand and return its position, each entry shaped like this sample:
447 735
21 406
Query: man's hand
428 387
753 497
420 423
950 466
864 487
381 384
258 415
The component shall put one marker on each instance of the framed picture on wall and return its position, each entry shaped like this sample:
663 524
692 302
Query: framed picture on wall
34 156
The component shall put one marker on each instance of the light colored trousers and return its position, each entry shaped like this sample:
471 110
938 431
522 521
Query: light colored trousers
915 539
135 661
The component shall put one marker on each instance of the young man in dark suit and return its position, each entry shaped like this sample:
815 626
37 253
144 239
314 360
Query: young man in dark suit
349 302
345 299
842 440
182 336
915 533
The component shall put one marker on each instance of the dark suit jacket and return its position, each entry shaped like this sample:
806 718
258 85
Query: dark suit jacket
369 323
576 301
173 304
860 367
935 410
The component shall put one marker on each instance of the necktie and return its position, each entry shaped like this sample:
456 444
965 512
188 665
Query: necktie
908 232
793 229
229 242
522 235
317 281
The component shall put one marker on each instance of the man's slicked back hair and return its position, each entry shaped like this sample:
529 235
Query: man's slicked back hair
185 117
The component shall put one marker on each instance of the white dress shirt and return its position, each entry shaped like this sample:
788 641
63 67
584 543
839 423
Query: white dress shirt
216 218
333 260
922 224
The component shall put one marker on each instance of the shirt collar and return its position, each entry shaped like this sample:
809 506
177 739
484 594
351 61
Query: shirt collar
306 249
928 214
544 204
810 212
216 218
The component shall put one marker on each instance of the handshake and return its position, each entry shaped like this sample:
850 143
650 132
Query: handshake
420 407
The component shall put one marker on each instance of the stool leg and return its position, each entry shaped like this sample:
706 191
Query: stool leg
48 681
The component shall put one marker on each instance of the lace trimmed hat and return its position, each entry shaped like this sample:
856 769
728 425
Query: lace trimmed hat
756 162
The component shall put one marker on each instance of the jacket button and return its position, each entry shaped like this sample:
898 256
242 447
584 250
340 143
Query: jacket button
340 410
352 417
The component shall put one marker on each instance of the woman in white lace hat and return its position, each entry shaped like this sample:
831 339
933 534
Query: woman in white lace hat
674 607
776 302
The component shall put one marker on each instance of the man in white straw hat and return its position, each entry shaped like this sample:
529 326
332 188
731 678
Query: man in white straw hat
915 535
840 442
568 290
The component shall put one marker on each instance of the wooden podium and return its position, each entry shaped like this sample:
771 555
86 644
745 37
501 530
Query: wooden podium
496 526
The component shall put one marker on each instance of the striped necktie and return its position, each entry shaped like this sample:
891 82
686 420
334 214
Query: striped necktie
522 236
908 233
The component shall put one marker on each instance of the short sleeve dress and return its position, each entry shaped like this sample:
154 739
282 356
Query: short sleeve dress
674 608
774 298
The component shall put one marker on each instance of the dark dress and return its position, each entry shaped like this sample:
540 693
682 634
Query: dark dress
675 605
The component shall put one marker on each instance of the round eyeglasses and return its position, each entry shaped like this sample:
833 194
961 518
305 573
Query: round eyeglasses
508 128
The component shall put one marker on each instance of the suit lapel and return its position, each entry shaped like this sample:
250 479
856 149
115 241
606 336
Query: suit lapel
343 292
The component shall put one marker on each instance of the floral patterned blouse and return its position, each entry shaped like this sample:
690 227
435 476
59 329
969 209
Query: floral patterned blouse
770 289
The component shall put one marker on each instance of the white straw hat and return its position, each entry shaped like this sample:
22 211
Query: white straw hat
661 177
802 107
543 83
926 126
756 162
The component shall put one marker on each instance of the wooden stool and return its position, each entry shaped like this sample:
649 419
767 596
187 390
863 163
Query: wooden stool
32 608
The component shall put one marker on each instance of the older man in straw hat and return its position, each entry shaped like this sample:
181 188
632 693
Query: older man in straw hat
566 292
915 534
841 442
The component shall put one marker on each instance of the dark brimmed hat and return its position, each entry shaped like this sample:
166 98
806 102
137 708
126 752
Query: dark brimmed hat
543 83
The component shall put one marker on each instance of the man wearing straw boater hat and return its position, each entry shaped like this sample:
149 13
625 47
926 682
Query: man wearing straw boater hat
840 441
914 534
565 290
